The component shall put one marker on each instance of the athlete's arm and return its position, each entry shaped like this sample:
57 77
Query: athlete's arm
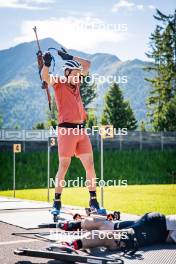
47 58
85 64
46 76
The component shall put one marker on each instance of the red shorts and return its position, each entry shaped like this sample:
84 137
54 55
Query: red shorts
72 142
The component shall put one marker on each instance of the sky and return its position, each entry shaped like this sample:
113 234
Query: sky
120 27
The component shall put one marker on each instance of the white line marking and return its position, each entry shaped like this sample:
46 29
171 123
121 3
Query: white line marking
17 242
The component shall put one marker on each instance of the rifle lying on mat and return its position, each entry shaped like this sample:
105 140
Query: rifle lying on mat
67 257
40 66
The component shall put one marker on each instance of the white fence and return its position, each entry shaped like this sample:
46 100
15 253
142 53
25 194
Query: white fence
133 140
23 135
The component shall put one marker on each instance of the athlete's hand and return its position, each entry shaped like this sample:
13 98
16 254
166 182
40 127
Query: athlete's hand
64 54
47 58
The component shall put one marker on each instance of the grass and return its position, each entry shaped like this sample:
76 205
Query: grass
134 199
149 175
138 167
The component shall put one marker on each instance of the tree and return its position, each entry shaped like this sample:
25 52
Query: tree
170 122
87 90
91 120
1 121
163 53
53 114
117 111
16 126
39 126
142 126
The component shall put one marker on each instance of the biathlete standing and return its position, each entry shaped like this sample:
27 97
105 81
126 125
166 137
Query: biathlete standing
71 114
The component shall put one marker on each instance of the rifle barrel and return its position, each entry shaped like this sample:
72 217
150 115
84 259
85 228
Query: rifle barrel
35 31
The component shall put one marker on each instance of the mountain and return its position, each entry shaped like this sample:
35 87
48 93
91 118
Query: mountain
23 103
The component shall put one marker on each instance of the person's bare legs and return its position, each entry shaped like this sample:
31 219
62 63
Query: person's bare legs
64 163
98 238
88 163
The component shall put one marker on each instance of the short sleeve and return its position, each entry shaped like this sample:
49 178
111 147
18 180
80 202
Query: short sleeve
56 85
59 82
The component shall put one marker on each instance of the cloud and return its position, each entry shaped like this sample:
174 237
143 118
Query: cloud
140 7
123 4
87 34
151 7
26 4
130 6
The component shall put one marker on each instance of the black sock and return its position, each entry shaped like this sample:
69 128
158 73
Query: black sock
57 196
93 194
74 226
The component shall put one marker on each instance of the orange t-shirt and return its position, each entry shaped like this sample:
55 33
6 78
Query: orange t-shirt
69 103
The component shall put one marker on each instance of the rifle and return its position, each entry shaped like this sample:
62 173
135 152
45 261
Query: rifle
40 66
